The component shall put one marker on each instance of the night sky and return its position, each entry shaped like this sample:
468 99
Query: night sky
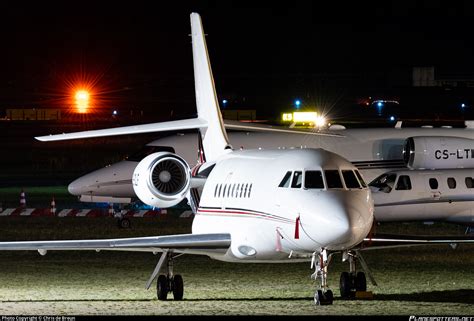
138 54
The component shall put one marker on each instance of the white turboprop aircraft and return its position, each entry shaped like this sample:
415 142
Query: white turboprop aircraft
256 205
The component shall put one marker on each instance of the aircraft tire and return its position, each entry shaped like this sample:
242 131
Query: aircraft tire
178 287
318 297
124 223
329 297
345 285
162 288
360 282
325 298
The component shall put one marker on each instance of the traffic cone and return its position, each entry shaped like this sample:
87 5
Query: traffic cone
22 198
53 207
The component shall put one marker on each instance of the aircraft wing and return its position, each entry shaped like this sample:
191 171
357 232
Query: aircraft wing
184 124
232 124
383 241
135 129
183 243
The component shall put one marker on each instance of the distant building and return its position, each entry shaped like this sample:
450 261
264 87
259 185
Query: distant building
429 77
249 115
33 114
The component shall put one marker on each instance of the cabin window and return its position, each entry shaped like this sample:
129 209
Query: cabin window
215 191
285 182
404 183
232 193
241 190
469 182
297 179
245 190
384 182
313 179
451 183
350 179
220 189
250 189
237 191
361 180
333 179
433 183
223 192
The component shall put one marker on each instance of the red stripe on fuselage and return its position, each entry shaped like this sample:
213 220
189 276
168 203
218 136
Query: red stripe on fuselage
243 212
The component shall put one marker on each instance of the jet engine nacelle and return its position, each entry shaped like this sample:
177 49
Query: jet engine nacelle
438 152
162 179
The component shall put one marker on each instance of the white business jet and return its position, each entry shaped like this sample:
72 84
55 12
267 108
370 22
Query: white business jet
374 151
113 184
430 194
256 205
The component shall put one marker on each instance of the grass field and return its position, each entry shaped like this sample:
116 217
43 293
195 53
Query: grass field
420 281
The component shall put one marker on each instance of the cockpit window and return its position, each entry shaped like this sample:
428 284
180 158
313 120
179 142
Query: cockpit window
361 180
350 179
148 150
285 182
313 179
384 183
297 179
404 183
333 179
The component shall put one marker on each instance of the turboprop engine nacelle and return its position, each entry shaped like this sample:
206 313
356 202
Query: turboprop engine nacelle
162 179
438 152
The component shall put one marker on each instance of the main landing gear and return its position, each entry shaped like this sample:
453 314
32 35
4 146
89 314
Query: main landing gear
320 262
169 282
353 281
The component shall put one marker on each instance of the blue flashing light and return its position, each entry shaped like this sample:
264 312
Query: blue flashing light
114 113
297 103
392 118
463 105
379 104
224 102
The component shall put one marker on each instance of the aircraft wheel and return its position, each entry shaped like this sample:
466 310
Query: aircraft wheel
178 287
162 288
318 296
321 298
345 285
360 282
124 223
329 297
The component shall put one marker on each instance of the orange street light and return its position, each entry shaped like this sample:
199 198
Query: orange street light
82 101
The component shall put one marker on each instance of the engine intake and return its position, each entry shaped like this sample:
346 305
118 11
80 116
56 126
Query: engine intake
162 179
168 176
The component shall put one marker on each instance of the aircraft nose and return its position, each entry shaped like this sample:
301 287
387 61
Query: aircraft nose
77 187
344 223
352 222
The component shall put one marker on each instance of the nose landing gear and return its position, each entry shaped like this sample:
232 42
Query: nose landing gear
320 262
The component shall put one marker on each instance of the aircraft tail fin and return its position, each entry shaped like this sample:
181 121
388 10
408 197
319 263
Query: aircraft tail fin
214 137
